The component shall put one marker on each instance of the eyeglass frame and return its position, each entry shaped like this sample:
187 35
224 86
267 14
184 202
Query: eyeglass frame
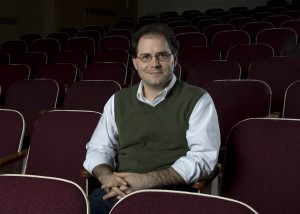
157 56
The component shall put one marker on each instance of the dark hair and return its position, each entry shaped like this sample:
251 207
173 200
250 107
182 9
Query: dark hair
157 29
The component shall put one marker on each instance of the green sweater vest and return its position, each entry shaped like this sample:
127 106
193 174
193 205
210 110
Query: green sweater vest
153 138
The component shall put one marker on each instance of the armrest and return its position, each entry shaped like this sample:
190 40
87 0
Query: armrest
84 173
201 184
11 158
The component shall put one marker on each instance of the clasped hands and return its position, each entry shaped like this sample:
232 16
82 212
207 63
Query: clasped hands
119 184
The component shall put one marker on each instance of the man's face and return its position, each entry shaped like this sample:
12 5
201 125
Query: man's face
156 72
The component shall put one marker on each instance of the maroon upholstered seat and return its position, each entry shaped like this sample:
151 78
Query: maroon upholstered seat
38 194
142 202
244 99
256 151
291 107
90 94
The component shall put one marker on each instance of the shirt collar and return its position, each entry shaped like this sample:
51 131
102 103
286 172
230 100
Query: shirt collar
159 97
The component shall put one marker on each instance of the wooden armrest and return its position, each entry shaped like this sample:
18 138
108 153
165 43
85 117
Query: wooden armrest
11 158
84 173
201 184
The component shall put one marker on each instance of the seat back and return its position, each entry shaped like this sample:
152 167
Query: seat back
30 97
12 122
293 24
244 99
78 58
114 42
57 146
85 44
34 60
10 74
212 29
256 149
277 38
29 38
50 46
253 28
90 94
239 22
206 71
277 20
61 37
226 39
278 73
37 194
191 39
14 47
291 104
244 54
177 202
106 71
92 34
112 55
63 73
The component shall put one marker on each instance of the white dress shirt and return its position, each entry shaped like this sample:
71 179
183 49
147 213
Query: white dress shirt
203 137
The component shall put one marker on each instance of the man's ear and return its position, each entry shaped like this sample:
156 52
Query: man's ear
175 59
134 63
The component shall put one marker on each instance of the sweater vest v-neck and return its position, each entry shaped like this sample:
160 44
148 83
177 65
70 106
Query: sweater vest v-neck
153 138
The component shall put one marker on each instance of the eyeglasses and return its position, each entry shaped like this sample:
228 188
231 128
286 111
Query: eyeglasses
145 58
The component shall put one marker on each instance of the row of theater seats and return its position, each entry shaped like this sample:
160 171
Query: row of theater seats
256 147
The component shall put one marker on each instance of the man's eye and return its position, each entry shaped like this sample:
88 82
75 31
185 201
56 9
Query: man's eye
146 57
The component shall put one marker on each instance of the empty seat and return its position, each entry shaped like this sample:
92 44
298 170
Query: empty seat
90 94
293 24
100 28
140 202
78 58
92 34
63 73
260 16
253 28
278 73
226 39
244 54
40 194
29 38
211 30
239 22
204 72
34 60
61 37
81 44
245 99
120 32
189 56
106 71
10 74
30 97
14 47
114 42
49 46
70 30
270 144
277 20
191 39
291 101
277 38
112 55
202 24
228 17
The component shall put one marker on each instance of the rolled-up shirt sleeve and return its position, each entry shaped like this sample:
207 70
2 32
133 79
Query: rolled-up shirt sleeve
101 147
203 137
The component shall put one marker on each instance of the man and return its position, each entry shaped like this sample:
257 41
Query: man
162 132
